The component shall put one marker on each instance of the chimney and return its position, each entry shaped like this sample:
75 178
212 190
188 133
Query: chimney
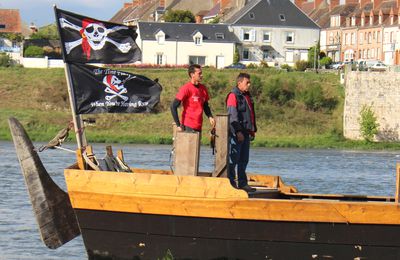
317 3
333 4
377 3
199 18
162 3
299 3
126 5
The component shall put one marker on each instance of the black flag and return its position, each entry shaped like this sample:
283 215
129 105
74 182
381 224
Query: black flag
87 40
101 90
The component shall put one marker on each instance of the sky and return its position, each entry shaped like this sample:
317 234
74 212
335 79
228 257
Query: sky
40 12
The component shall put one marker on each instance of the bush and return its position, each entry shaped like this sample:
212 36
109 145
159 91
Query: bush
252 66
279 92
301 65
325 61
5 60
34 51
368 124
263 64
313 97
286 67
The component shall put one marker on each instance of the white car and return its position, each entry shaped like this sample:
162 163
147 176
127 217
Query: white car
379 66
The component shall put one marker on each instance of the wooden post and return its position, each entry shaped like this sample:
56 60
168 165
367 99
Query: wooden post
186 153
221 146
397 195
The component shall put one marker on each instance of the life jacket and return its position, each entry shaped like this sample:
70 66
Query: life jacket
244 111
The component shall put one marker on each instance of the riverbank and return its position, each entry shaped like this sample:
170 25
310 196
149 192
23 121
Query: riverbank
294 109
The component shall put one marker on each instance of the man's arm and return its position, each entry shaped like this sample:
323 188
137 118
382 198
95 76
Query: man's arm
234 118
174 111
208 113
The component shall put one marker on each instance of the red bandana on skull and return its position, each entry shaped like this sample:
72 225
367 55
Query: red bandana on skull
93 35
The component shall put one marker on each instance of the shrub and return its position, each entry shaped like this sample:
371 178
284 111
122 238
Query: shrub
5 60
325 61
34 51
263 64
256 86
312 97
236 56
286 67
252 66
279 92
301 65
368 124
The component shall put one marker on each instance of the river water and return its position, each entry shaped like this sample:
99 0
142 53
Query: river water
311 171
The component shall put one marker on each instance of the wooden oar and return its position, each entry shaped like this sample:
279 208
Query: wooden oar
53 211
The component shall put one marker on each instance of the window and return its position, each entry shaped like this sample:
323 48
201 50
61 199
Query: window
252 16
201 60
289 37
361 38
197 40
267 37
248 35
246 54
265 54
159 60
353 21
160 37
219 36
282 17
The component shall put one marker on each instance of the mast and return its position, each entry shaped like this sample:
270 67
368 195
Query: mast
77 119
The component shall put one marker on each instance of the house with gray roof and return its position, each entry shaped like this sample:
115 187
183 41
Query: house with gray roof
273 31
186 43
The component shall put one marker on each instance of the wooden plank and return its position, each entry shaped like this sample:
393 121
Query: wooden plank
397 195
187 146
79 159
221 146
210 197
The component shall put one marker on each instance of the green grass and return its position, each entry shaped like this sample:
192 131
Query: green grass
294 109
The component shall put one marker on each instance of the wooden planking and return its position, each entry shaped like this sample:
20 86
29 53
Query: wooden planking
221 146
397 195
210 197
186 158
153 184
271 181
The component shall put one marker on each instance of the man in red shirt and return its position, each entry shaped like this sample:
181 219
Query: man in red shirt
242 129
194 98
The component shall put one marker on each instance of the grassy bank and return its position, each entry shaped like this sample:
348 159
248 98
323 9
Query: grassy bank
294 109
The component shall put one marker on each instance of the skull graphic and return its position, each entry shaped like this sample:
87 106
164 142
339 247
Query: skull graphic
96 34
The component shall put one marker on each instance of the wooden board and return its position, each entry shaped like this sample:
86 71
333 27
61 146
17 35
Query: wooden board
210 197
221 146
186 158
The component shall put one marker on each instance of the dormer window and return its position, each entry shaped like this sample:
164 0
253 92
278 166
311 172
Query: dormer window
198 38
282 17
160 37
219 36
252 16
353 21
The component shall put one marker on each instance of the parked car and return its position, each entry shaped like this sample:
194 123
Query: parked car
337 65
379 66
236 66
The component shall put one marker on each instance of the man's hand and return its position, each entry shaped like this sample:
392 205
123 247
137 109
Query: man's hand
240 137
212 121
179 129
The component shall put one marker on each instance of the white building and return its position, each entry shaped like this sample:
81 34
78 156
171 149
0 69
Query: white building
274 31
186 43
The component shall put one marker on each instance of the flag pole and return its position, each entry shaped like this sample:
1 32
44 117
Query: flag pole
77 119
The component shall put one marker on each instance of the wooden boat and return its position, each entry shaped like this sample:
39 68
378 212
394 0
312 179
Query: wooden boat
151 214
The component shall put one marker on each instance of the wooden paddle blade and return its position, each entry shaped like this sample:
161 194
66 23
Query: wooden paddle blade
53 211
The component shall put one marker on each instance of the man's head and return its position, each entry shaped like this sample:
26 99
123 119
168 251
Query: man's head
243 82
195 73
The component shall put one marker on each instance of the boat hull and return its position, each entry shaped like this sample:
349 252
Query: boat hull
121 235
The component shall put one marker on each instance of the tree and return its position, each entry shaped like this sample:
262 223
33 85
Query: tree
48 32
179 16
12 36
236 57
368 123
311 53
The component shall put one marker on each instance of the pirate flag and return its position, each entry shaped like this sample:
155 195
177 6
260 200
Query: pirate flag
101 90
86 40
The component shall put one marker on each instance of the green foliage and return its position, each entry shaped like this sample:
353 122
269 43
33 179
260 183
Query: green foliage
48 32
264 64
315 50
12 36
168 256
252 66
279 92
34 51
312 97
325 61
215 20
286 67
236 57
368 123
300 65
179 16
5 60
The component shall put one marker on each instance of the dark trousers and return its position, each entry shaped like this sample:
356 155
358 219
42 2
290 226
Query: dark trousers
190 130
238 160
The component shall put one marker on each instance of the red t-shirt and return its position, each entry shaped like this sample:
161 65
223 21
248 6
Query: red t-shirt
192 98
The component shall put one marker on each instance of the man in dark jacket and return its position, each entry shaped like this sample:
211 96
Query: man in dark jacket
242 129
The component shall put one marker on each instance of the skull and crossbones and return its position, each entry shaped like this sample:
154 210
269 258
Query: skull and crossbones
94 36
115 87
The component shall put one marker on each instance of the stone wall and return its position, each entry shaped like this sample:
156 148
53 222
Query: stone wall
381 91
